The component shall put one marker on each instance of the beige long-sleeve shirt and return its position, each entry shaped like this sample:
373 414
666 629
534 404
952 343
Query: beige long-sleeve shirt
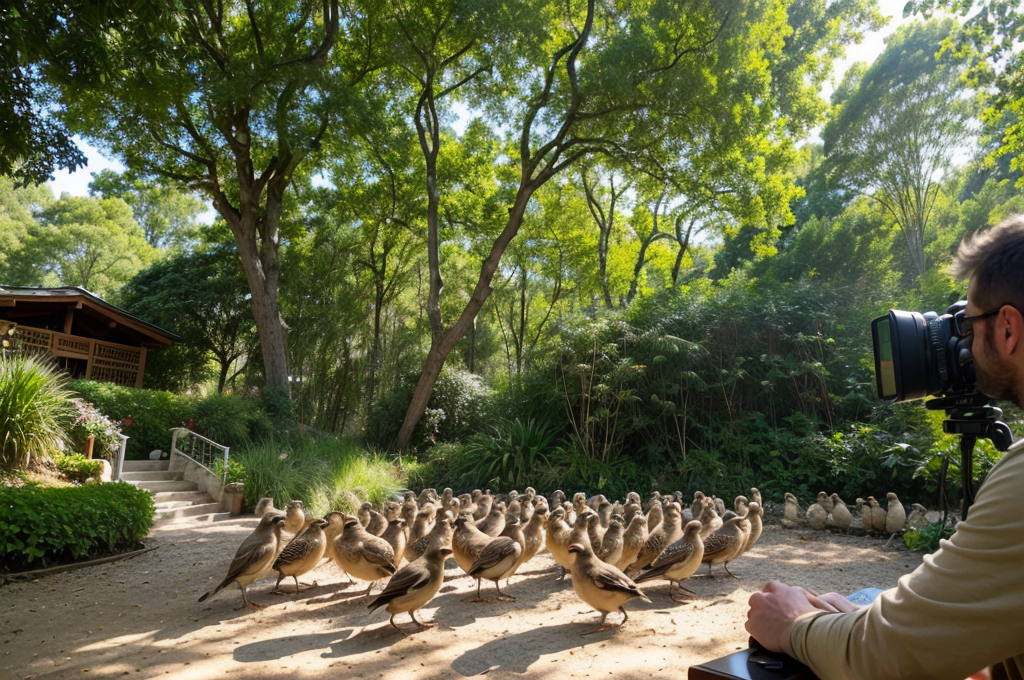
961 611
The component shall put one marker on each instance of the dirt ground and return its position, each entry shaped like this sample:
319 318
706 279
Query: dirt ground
140 618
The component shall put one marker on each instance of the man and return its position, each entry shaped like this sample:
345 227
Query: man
963 609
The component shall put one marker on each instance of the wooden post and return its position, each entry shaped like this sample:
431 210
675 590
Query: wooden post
68 318
142 366
88 365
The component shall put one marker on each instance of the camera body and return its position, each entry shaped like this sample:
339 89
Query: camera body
919 355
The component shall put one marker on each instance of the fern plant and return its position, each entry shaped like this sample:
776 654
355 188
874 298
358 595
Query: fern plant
514 455
35 410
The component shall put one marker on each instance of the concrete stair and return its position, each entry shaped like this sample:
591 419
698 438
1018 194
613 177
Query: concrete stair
175 499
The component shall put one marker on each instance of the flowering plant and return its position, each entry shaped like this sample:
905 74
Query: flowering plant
91 423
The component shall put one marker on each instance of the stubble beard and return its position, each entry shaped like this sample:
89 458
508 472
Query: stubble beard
998 381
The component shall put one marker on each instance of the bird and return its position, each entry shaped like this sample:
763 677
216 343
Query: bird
865 515
655 515
680 561
295 518
611 542
841 516
791 513
498 559
697 506
413 586
440 533
634 537
333 530
483 501
494 522
877 515
825 501
533 533
755 496
726 544
363 555
601 585
895 516
917 519
409 508
265 505
755 513
556 538
302 554
254 557
467 542
709 518
375 522
664 535
395 536
816 516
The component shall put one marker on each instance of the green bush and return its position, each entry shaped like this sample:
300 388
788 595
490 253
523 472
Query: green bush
35 410
147 416
231 420
91 423
326 474
42 526
77 468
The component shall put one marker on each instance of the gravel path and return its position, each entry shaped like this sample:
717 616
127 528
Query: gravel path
139 618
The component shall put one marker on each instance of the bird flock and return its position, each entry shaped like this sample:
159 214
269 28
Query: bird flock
829 511
607 547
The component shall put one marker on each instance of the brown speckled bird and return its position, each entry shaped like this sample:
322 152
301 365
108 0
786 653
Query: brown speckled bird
601 585
395 535
667 533
254 557
556 538
841 515
680 561
895 514
413 586
634 537
726 544
302 554
363 555
498 559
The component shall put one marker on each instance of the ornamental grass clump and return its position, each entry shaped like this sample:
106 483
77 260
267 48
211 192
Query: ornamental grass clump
35 410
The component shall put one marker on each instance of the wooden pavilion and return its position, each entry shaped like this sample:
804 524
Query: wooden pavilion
87 336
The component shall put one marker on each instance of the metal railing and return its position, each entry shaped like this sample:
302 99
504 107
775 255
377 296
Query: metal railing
200 449
119 463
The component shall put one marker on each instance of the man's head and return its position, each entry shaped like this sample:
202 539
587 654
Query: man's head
993 260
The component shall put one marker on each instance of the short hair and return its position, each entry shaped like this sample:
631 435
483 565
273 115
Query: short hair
994 258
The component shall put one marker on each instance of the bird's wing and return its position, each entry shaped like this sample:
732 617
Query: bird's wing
410 577
297 550
717 543
680 551
248 555
493 553
608 578
379 552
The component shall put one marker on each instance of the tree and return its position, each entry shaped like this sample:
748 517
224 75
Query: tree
201 296
990 39
899 125
231 100
604 191
167 216
17 205
86 242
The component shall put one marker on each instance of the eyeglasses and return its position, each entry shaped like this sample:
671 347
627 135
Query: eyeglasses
965 324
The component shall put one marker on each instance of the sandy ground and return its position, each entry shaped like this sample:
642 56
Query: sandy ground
139 617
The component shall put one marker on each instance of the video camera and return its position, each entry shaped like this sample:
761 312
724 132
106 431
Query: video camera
920 355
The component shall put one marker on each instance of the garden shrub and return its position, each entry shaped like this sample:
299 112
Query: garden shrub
35 409
147 416
91 423
77 468
231 420
43 526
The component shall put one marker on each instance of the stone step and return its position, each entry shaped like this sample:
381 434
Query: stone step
145 465
188 511
169 505
156 476
167 486
190 497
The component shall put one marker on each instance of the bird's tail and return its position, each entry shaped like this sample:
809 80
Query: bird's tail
210 593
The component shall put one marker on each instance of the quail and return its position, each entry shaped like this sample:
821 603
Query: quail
254 557
375 522
332 532
439 534
422 524
497 560
709 518
634 537
655 515
791 513
413 586
865 515
533 533
295 518
841 516
601 585
667 533
556 538
494 522
877 515
680 561
265 505
895 515
394 534
467 542
825 501
302 554
483 505
726 544
409 508
816 516
755 513
917 519
363 555
611 542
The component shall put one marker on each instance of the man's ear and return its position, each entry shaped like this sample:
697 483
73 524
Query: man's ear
1011 328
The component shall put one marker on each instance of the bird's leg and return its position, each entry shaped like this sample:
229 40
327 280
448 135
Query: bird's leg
625 616
675 586
603 627
395 626
422 624
250 605
710 575
277 586
726 565
502 597
367 593
478 599
564 572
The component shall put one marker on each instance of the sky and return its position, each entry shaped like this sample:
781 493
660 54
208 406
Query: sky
77 183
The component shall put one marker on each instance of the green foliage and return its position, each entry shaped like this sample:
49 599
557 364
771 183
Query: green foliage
42 526
513 455
457 409
77 468
91 423
326 474
147 416
927 539
35 410
231 420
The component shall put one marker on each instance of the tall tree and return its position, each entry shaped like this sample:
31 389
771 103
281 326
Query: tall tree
606 193
899 125
231 99
572 80
168 215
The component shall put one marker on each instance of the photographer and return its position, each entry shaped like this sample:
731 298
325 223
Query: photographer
962 610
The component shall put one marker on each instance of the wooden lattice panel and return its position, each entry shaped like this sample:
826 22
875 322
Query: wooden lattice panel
35 340
114 364
69 345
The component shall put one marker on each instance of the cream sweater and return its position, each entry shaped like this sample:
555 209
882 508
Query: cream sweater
960 611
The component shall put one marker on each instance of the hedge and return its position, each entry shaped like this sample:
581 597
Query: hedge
42 526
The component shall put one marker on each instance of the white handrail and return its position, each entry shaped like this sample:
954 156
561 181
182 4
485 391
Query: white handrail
199 449
120 455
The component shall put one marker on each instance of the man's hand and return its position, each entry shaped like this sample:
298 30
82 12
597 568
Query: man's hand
776 606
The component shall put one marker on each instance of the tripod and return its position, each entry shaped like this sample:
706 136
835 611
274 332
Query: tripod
969 416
